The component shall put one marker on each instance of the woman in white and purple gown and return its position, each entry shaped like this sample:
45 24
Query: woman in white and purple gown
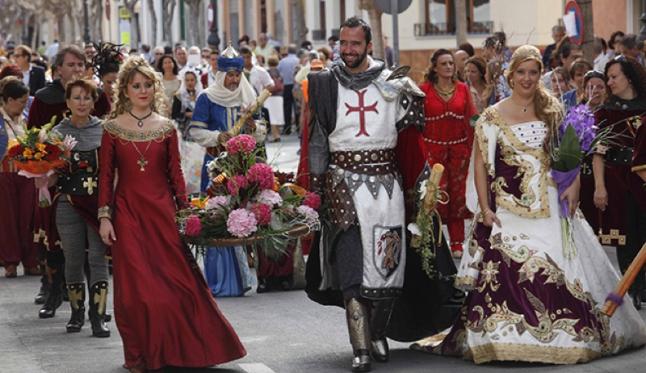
530 299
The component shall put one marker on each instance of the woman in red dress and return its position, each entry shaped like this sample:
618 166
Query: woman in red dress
164 311
448 137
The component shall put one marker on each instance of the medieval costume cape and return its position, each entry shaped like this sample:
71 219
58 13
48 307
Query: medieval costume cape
354 124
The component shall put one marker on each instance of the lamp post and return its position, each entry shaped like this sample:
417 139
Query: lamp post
86 24
213 39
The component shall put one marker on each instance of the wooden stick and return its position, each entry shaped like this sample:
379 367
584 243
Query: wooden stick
432 186
615 298
262 97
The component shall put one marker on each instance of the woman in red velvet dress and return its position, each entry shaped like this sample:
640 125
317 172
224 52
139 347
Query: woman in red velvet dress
164 311
448 138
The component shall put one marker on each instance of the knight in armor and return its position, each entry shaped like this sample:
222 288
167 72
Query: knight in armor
76 210
359 110
216 111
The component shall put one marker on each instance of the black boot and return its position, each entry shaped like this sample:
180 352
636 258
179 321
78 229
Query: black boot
76 294
379 318
107 317
43 292
98 303
359 329
55 296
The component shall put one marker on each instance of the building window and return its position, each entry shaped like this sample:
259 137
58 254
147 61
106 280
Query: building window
440 18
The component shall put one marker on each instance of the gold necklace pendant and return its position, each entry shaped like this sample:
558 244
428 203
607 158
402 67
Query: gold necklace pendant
142 162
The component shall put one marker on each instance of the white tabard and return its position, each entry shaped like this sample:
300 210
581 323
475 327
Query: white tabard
367 121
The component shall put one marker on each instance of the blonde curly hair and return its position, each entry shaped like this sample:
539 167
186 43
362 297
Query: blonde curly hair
547 108
127 72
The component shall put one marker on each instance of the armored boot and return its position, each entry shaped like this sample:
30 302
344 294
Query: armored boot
76 294
359 330
98 303
107 317
379 318
55 296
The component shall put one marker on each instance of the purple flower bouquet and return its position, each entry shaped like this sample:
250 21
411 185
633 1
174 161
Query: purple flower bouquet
577 136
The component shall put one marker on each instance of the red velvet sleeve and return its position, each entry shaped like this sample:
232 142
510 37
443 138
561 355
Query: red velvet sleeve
106 174
175 175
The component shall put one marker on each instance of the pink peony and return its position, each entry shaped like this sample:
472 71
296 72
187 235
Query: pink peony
262 174
241 143
217 201
193 226
312 200
241 223
236 183
262 212
270 197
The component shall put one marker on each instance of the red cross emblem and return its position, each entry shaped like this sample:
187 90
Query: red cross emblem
361 109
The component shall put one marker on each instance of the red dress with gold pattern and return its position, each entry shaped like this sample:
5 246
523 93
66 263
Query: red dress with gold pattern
163 308
448 139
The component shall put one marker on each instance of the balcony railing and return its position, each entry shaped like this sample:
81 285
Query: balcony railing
426 29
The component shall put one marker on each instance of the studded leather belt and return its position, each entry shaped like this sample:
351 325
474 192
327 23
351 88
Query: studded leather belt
371 162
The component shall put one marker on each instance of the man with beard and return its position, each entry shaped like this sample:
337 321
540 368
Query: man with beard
216 111
358 260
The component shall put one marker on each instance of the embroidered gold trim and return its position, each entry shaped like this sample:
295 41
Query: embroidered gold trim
510 147
464 282
530 353
483 140
129 135
104 212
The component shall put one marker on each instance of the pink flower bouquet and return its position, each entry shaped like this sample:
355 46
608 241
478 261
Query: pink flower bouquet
247 205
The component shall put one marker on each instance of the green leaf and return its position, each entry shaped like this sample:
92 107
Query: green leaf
569 151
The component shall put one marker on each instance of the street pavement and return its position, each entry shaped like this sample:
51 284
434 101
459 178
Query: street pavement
283 332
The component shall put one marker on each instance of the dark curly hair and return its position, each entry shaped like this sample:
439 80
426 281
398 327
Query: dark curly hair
430 74
633 71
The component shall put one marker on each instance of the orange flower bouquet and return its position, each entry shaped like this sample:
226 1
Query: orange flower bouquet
38 153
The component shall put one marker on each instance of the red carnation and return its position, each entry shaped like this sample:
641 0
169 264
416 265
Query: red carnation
262 212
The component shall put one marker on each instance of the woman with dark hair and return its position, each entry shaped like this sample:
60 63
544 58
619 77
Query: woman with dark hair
182 112
475 69
106 63
13 70
76 208
169 69
595 95
622 208
448 137
17 193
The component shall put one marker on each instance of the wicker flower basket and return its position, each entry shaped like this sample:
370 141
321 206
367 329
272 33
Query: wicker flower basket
296 232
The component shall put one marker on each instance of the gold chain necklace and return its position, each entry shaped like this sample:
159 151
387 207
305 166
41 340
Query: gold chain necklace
445 94
142 162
